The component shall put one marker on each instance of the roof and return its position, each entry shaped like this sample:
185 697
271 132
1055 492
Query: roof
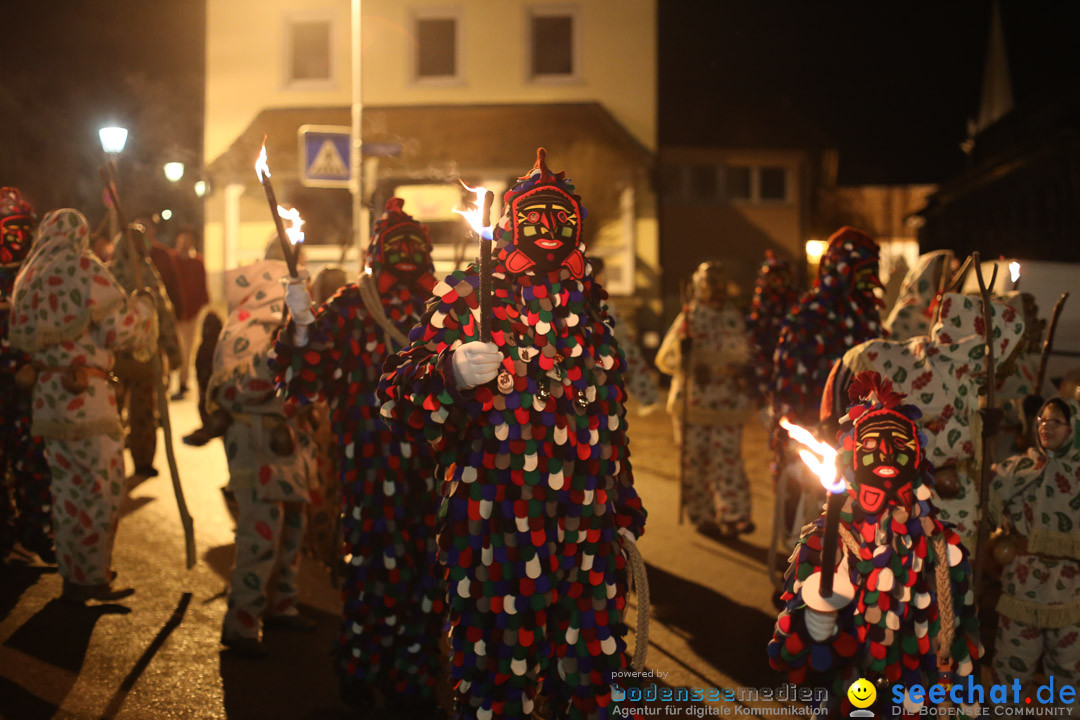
442 138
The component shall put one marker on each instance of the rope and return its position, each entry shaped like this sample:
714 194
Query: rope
945 602
644 605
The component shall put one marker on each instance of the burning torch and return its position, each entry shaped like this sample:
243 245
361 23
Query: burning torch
479 219
293 233
827 590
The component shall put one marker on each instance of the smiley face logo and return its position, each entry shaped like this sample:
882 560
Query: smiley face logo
862 693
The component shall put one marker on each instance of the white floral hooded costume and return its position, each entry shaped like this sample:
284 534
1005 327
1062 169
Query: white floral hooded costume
269 484
69 312
1036 496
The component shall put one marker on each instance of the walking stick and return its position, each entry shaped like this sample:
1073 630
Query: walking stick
1048 344
989 427
686 348
109 179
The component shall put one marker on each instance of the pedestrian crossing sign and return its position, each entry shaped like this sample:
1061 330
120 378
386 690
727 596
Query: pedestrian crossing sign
324 155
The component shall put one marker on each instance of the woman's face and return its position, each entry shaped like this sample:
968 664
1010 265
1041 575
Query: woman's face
1053 428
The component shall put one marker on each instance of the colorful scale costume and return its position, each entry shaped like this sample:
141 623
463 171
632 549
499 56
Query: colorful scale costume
393 600
775 294
941 373
269 451
837 313
716 488
25 504
536 475
910 621
1036 497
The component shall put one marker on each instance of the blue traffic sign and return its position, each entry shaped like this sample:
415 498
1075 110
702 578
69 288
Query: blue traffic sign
324 154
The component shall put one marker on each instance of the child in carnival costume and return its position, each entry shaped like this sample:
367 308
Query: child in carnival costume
530 435
910 617
840 311
775 294
1034 498
393 600
711 330
25 504
270 456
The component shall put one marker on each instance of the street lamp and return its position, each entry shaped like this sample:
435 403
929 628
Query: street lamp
113 139
174 171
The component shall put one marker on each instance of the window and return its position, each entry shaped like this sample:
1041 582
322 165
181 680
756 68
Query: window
737 183
552 44
309 43
436 48
773 183
671 181
703 182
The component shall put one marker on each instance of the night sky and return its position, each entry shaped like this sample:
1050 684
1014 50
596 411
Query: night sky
891 84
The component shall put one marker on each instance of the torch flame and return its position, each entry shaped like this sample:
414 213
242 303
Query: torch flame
295 234
818 456
1014 271
261 168
474 215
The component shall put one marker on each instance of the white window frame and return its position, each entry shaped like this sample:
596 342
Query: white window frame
449 12
576 29
293 17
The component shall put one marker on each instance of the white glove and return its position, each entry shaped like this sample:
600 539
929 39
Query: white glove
299 302
476 363
820 625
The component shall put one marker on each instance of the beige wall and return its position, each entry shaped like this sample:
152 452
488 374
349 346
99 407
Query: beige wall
246 50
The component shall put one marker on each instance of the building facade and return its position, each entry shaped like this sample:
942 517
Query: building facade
450 90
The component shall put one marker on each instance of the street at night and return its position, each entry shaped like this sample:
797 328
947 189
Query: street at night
539 360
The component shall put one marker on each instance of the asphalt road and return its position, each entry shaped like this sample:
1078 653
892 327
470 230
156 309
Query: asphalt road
157 653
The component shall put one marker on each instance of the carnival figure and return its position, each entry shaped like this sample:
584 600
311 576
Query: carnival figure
25 502
270 455
393 599
530 435
1033 499
709 339
70 315
776 291
942 373
139 386
902 610
837 313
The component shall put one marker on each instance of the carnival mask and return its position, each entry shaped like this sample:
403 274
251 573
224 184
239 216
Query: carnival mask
865 276
886 460
405 254
16 234
547 229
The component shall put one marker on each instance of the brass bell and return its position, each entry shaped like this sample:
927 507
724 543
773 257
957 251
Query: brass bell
75 380
1005 550
581 403
26 377
282 441
947 482
542 392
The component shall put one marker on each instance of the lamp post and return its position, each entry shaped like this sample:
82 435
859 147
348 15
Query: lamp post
113 139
